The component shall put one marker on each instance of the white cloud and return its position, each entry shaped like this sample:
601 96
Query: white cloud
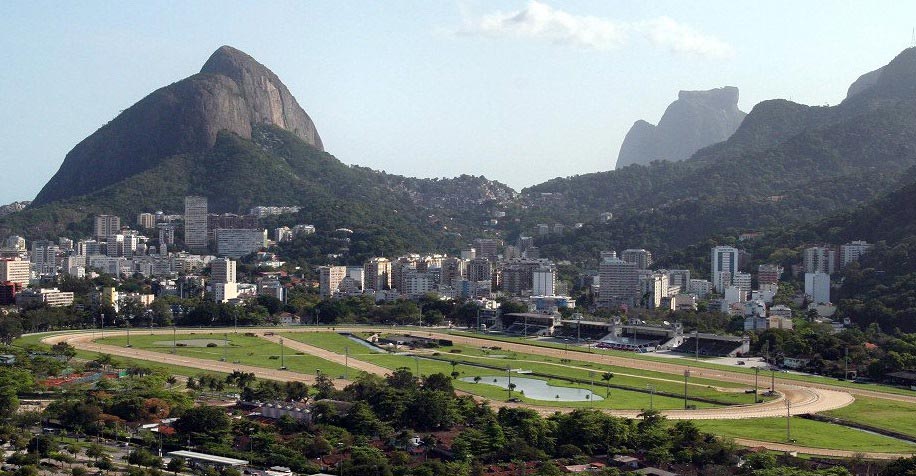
543 22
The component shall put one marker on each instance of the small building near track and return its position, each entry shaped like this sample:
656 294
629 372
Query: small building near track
196 459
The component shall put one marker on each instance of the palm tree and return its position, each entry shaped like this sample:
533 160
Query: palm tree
477 379
607 376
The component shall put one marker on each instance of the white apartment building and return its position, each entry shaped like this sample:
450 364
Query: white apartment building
16 270
724 265
238 242
195 223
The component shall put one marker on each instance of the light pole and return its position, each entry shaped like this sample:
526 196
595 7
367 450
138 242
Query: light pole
347 362
788 423
128 331
651 389
282 356
772 379
756 376
686 376
417 361
696 335
225 346
174 339
477 330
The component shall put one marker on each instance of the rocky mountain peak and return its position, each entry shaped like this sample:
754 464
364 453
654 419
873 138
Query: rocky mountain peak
696 120
233 92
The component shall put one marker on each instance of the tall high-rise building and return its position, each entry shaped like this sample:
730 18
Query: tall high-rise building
724 264
106 225
640 257
195 223
480 269
618 283
44 257
486 248
852 251
329 279
544 281
377 274
817 287
453 270
15 270
820 259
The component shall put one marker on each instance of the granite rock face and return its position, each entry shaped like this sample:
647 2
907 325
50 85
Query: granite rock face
232 92
864 82
696 120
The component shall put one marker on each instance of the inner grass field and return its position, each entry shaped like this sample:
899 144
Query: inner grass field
619 398
888 414
625 377
242 349
688 360
807 433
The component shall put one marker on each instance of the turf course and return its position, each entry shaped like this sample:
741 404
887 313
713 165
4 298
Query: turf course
806 433
242 349
895 416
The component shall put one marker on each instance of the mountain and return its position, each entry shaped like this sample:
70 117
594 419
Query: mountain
235 134
232 92
696 120
787 163
864 82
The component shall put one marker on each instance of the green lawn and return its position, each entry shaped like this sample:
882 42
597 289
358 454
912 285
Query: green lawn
631 378
688 361
895 416
243 349
806 433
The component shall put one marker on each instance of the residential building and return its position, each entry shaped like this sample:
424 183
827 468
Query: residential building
283 234
700 288
195 223
486 248
88 248
15 270
852 251
743 282
238 242
106 225
618 283
820 259
768 274
329 279
377 274
222 270
480 269
44 257
544 281
8 291
817 287
640 257
14 242
724 264
51 297
146 221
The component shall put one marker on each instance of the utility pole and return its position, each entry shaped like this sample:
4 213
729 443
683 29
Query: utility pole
651 389
128 331
686 376
772 379
225 346
282 356
846 365
478 319
417 361
347 362
696 335
174 339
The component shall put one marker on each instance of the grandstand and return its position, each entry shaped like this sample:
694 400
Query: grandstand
712 345
637 336
581 329
529 323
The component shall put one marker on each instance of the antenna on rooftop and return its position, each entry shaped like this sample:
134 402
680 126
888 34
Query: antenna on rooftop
913 38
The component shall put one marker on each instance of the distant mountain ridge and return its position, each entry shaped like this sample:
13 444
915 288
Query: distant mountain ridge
232 92
695 120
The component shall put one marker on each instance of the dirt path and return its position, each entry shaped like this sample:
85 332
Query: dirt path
818 451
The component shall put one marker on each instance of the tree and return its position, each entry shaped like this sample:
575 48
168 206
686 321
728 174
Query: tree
176 465
204 424
607 376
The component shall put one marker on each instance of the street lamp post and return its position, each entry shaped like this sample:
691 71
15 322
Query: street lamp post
128 331
772 379
347 362
686 376
651 389
174 339
282 356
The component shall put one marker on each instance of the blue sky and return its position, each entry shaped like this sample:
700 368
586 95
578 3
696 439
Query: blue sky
519 91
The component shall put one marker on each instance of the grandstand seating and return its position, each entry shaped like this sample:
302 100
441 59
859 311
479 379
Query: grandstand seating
708 347
519 328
